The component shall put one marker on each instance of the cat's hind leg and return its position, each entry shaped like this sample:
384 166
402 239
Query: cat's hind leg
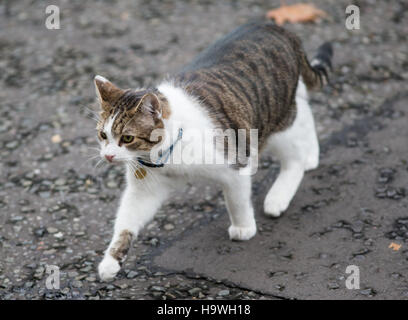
297 149
283 190
237 193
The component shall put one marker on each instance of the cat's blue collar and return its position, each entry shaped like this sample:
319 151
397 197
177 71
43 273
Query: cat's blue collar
164 156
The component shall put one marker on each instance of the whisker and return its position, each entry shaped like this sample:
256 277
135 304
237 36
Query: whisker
150 177
151 174
88 160
134 167
98 163
95 149
91 114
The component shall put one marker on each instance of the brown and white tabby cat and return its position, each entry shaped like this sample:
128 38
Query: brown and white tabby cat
253 78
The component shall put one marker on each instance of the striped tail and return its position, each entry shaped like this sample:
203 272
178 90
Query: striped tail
316 74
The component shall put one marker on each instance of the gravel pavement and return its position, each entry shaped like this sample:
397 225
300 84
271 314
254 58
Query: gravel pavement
57 206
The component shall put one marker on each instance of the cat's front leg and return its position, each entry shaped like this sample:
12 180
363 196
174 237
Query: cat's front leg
237 193
137 208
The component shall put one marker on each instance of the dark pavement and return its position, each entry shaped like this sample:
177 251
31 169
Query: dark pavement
57 207
347 212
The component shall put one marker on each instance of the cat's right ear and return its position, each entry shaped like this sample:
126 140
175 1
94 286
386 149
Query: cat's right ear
106 92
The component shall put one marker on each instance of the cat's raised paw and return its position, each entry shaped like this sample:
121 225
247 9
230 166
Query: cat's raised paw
108 268
274 207
242 233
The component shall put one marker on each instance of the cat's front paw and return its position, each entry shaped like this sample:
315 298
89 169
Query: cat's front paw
108 268
274 206
242 233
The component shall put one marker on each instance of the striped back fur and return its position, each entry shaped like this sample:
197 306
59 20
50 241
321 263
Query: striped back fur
248 79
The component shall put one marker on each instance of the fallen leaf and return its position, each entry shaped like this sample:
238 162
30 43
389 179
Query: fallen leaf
394 246
56 138
300 12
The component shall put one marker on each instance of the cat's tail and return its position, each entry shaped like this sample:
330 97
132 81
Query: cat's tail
316 73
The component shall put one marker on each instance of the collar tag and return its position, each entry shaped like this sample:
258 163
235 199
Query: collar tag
140 173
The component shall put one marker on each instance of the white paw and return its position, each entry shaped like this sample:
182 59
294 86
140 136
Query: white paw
242 233
275 205
108 268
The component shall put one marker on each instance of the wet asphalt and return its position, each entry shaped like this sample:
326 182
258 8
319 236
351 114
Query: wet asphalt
57 207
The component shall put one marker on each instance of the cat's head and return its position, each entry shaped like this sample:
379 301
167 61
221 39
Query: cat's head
127 120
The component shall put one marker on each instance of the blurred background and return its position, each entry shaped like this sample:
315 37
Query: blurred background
57 206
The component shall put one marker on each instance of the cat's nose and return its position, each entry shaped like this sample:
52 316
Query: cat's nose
109 157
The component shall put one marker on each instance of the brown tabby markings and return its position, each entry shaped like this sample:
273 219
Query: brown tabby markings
248 79
121 247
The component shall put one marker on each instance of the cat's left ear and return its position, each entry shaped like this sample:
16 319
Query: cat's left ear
106 91
150 103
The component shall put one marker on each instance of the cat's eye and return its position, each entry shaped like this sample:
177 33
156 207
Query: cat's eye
127 139
103 135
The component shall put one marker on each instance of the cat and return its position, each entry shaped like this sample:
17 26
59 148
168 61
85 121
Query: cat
253 78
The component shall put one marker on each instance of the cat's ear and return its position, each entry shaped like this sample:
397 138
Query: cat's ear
149 103
106 91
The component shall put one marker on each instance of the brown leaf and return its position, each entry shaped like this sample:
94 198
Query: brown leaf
394 246
300 12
